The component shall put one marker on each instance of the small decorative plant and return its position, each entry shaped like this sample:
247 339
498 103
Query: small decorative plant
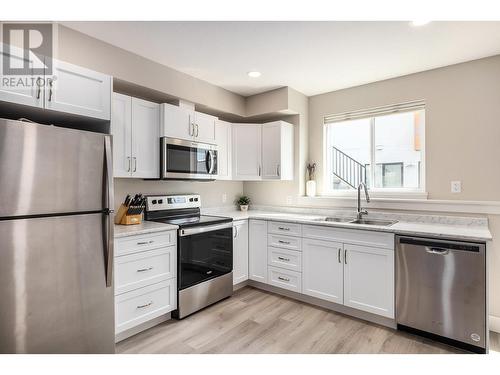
243 202
311 170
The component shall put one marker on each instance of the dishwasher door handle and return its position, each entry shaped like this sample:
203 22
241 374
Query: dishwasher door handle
437 250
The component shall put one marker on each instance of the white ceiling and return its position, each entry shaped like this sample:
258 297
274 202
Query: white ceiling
311 57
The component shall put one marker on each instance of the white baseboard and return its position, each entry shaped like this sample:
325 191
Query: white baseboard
494 323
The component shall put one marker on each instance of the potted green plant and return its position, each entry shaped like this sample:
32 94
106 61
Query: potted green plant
243 202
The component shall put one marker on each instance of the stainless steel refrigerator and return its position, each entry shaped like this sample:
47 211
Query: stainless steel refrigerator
56 240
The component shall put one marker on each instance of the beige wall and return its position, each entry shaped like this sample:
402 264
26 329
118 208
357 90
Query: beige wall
462 137
211 192
83 50
462 123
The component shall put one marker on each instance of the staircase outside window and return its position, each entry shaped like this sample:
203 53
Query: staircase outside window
392 143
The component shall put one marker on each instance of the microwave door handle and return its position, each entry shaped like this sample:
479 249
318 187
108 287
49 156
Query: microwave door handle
208 161
212 163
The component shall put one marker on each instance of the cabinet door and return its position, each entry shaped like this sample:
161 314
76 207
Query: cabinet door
223 141
323 269
145 139
271 151
177 122
257 250
246 161
11 91
121 129
369 279
79 91
204 127
240 251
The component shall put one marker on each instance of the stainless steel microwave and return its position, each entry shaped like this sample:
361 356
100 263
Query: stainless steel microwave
187 160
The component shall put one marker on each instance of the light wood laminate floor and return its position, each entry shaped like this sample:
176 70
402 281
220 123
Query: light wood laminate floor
255 321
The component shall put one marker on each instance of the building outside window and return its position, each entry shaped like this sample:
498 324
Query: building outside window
391 139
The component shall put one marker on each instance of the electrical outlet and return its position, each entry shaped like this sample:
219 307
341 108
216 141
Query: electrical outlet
224 198
289 199
456 186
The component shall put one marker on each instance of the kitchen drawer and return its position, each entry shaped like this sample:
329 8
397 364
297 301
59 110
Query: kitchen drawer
143 242
352 236
285 242
283 258
140 305
281 227
147 267
285 279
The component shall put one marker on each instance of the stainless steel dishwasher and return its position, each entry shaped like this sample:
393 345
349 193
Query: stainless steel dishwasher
441 290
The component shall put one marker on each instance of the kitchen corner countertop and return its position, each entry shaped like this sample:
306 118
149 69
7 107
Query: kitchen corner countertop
143 228
412 228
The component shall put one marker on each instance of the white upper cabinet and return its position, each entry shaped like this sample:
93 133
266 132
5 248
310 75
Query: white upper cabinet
223 141
257 250
184 123
31 94
176 122
322 269
145 139
204 127
247 155
240 251
369 279
78 91
277 151
263 151
135 130
121 128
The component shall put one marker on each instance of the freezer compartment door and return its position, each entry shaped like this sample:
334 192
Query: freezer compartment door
53 294
441 288
47 169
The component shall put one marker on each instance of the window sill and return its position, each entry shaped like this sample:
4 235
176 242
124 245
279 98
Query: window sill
375 194
402 204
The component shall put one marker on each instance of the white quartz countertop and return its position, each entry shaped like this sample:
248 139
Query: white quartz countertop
431 228
143 228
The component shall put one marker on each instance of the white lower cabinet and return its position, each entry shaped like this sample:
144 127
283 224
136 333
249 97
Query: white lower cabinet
240 251
369 279
257 253
285 279
141 305
350 267
145 278
283 258
323 269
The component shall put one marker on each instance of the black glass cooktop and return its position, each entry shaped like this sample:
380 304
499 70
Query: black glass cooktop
194 221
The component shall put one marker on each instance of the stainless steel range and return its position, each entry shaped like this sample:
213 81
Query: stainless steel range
204 251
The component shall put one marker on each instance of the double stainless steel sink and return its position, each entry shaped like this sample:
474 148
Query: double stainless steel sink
383 223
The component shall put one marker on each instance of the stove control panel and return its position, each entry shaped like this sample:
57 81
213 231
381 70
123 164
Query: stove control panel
172 202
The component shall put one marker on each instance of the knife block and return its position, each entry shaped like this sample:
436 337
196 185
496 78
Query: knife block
121 217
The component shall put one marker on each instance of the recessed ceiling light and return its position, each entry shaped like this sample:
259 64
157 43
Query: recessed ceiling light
419 23
254 74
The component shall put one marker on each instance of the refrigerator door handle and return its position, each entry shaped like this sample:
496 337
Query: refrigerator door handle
108 201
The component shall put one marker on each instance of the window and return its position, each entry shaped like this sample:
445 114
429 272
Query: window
391 142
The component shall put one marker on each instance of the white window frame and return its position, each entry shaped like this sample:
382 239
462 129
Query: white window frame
407 193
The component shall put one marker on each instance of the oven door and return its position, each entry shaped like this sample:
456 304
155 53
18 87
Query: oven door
205 252
184 160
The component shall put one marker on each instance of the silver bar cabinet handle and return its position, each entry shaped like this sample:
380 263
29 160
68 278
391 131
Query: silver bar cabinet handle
129 164
50 89
145 242
284 279
144 269
284 242
338 255
146 305
283 228
345 256
135 164
285 259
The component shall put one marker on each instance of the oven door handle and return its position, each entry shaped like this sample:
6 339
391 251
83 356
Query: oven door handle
204 229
